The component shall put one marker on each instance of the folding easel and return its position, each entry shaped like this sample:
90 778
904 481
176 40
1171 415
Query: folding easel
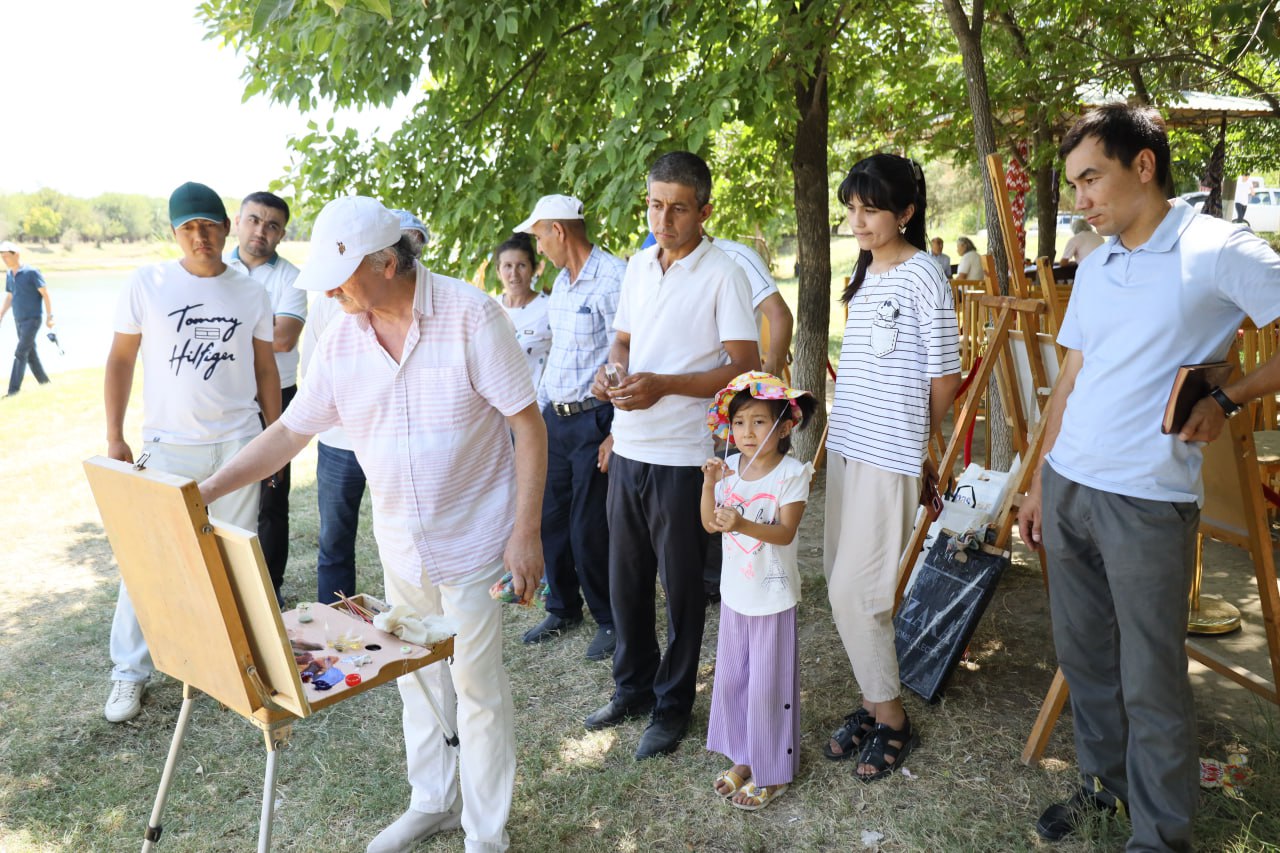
998 355
208 611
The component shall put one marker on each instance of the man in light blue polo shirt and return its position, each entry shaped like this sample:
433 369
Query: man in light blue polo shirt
1117 505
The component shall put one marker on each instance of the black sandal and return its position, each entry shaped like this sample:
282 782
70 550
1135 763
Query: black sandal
883 755
857 725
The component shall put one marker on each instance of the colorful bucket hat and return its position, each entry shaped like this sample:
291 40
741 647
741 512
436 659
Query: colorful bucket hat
758 384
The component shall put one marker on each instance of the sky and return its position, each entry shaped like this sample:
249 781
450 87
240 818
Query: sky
128 96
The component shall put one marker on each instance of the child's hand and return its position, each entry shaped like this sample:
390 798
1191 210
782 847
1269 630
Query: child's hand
714 470
726 519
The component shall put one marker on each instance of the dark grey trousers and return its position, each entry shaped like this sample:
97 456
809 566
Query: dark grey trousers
1120 571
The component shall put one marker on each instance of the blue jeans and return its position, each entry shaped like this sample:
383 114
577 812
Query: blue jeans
339 489
26 354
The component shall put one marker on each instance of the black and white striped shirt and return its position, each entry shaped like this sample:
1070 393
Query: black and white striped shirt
901 334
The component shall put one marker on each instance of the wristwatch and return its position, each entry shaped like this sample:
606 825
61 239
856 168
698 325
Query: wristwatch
1229 407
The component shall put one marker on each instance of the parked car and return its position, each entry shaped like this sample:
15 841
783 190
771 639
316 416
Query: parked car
1263 212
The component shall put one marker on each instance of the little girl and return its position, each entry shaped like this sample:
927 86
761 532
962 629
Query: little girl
756 499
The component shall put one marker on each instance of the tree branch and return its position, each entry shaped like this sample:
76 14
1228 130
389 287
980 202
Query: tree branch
533 62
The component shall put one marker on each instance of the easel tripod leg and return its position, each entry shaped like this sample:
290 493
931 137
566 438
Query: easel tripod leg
268 801
154 828
450 736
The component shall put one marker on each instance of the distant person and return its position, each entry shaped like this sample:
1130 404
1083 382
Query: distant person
753 502
575 524
340 481
684 329
1083 241
205 334
24 291
260 226
1244 189
969 267
939 257
526 307
898 375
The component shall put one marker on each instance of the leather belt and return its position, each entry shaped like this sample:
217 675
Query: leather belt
564 410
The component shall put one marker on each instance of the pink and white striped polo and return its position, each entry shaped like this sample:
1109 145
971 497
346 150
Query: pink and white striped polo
429 432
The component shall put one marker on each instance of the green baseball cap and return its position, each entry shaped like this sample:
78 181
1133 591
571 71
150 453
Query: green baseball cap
195 201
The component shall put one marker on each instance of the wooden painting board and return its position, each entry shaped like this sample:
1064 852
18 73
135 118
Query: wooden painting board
169 559
255 601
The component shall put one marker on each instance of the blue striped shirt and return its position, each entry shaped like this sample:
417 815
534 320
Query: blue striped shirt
581 316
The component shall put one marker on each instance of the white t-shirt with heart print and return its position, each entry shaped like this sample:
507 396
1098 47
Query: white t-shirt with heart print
759 579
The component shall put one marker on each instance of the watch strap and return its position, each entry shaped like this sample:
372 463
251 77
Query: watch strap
1229 407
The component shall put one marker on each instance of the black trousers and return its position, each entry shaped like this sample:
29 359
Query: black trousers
575 526
655 531
273 515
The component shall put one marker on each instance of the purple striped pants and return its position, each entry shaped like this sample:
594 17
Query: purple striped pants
755 699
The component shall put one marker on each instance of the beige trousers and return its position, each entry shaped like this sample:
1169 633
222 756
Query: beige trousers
869 516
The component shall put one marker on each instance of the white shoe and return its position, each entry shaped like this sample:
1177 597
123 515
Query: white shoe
414 826
125 701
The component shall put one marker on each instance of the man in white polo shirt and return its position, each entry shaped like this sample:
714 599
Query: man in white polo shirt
425 375
1115 502
260 226
684 329
203 331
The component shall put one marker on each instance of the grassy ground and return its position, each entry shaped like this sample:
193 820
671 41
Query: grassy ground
69 781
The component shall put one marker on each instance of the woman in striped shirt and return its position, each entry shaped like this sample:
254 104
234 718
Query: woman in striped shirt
899 371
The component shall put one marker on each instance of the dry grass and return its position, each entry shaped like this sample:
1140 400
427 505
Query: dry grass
70 781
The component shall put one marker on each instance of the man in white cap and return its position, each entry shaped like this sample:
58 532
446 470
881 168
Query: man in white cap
204 332
575 527
24 291
425 375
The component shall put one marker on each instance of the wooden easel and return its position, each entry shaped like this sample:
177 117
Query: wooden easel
999 354
208 612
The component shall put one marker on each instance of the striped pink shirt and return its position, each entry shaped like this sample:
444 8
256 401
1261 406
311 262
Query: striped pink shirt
430 432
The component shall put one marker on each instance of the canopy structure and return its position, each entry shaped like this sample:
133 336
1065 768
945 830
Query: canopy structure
1188 108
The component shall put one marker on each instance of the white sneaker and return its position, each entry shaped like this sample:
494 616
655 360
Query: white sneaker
414 826
125 701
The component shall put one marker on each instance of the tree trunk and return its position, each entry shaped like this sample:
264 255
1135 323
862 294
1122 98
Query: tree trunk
969 39
813 249
1046 183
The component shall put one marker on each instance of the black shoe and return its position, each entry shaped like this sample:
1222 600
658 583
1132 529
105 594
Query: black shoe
602 644
615 712
1061 819
552 626
662 735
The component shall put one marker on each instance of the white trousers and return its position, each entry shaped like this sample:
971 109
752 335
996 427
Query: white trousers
869 516
475 696
129 651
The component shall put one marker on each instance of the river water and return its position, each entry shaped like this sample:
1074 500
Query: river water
84 305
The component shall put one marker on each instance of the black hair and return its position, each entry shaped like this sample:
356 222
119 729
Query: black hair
806 403
270 200
1124 131
519 242
886 182
687 169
